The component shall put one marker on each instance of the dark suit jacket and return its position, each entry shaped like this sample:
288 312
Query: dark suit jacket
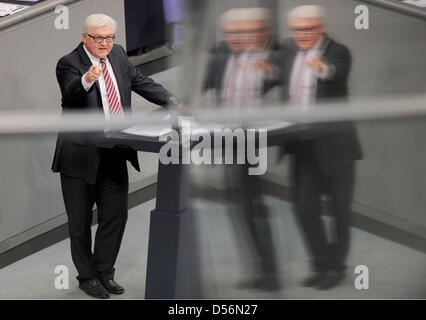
217 67
336 144
76 155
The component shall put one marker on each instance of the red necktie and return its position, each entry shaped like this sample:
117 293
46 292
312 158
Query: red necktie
114 102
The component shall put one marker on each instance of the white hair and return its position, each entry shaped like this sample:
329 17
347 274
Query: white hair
98 20
307 12
247 14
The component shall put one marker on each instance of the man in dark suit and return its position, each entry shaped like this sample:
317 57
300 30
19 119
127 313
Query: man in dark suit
236 72
316 68
97 76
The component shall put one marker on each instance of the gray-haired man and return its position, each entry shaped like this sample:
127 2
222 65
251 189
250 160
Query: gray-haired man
97 76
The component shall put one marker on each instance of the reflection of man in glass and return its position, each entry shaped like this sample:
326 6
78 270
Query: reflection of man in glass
239 66
314 68
236 73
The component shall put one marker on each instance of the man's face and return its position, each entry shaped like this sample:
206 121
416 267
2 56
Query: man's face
306 32
102 49
246 35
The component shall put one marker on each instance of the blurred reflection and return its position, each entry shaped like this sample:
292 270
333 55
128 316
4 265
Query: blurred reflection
236 72
239 67
314 67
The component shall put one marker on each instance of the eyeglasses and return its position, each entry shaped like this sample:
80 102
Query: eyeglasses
101 39
310 30
243 33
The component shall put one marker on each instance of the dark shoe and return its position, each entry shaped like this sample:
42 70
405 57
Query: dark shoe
267 284
262 283
112 287
312 280
245 284
330 279
94 288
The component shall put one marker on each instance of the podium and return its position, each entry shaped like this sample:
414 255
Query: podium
172 266
173 270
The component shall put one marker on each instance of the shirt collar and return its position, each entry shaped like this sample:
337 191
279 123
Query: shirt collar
93 59
319 44
316 47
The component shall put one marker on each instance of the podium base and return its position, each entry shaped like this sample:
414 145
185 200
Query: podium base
173 264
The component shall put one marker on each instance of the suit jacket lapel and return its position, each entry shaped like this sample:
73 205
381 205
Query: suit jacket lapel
290 60
325 44
119 77
324 53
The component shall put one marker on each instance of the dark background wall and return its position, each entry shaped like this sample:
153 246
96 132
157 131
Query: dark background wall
145 24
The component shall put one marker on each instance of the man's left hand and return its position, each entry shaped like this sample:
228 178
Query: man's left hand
263 65
316 63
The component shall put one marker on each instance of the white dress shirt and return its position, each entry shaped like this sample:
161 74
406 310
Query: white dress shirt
303 81
243 83
104 94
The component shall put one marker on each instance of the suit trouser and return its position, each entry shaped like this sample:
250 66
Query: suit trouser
309 184
110 193
252 217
